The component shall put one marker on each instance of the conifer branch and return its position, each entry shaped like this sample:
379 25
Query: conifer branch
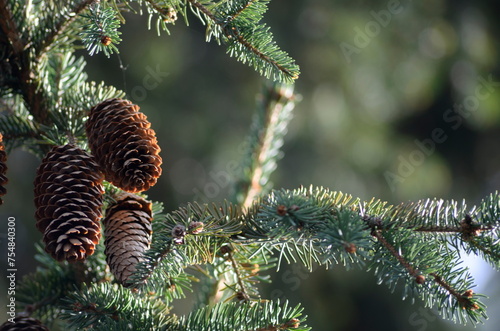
495 255
204 10
242 294
63 22
254 40
449 229
243 40
463 300
239 11
268 315
378 234
160 10
34 94
111 307
293 323
21 63
10 29
100 32
265 141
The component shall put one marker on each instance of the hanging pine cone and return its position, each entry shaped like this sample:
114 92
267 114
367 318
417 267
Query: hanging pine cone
127 232
3 169
68 198
124 145
23 324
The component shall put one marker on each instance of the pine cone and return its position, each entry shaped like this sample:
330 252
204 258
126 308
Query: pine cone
127 232
124 145
23 324
3 169
68 198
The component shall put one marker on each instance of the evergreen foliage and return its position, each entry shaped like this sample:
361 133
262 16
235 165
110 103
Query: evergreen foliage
226 248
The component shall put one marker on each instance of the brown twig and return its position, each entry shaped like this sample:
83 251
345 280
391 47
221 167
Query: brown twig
242 293
467 228
293 323
412 271
464 300
10 29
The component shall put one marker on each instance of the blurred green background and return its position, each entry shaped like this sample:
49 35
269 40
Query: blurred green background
395 104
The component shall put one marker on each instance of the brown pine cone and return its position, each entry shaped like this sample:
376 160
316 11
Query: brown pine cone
23 324
127 232
3 169
124 145
68 198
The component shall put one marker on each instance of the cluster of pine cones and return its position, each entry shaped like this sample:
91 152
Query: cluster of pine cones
69 191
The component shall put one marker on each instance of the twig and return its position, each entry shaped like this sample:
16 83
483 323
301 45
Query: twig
293 323
467 228
412 271
449 229
265 143
463 300
242 294
10 29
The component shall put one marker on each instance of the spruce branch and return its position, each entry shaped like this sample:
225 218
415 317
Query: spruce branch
18 131
58 28
173 248
268 315
10 29
242 7
166 11
295 221
265 141
21 66
412 271
112 307
42 292
247 39
100 32
464 301
240 272
488 248
242 293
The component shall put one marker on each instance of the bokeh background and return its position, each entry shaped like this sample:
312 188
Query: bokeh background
378 78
